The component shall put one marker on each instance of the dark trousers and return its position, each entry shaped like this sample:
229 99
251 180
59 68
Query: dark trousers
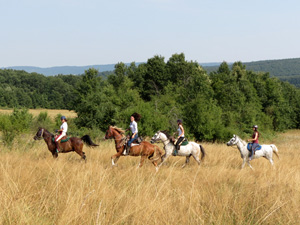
178 143
254 145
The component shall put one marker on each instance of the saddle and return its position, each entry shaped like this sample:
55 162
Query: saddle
249 147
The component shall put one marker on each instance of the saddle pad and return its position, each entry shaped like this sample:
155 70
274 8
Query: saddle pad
61 140
185 142
249 147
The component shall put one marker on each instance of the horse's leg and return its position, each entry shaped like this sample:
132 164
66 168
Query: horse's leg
54 154
196 157
143 157
163 159
115 158
187 160
244 161
78 150
248 162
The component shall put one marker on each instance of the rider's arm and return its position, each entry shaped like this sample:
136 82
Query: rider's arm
255 138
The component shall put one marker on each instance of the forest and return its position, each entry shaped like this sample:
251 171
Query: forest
212 105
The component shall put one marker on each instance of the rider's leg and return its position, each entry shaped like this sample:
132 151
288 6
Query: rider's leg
57 142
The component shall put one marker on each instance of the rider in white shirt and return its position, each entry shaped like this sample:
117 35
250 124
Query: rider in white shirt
134 130
62 132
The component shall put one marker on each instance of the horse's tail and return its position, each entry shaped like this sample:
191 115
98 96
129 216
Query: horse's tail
275 150
87 139
202 152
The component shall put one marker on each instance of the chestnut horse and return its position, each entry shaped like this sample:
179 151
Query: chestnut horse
144 149
73 144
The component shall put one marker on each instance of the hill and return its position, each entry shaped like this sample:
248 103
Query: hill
284 69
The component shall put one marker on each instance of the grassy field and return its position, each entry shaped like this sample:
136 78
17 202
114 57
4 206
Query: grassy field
51 112
37 189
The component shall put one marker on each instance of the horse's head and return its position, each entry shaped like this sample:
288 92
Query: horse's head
233 141
39 134
155 137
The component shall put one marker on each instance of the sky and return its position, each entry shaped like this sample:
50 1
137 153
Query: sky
47 33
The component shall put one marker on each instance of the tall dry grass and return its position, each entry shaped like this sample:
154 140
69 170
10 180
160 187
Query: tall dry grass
36 189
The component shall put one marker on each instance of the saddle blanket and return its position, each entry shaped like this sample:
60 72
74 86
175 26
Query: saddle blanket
249 147
185 142
61 140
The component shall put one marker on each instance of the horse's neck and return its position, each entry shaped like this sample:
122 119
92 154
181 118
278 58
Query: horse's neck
241 146
164 139
117 136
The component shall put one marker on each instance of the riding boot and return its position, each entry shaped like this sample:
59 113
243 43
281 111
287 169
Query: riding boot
175 152
57 146
127 149
252 154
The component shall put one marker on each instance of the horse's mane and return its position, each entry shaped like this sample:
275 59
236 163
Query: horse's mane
119 130
244 142
46 131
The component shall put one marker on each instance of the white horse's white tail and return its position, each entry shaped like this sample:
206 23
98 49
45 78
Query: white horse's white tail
275 150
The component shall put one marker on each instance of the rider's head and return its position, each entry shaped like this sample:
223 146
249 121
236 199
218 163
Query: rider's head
255 127
63 118
179 121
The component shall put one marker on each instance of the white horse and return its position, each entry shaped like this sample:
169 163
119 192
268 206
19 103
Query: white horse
265 151
191 149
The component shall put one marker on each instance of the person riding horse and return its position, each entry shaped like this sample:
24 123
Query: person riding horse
180 137
134 118
62 132
254 140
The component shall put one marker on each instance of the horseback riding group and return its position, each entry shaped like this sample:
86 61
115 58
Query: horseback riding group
133 145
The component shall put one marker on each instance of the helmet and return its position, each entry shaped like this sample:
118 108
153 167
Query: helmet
255 126
63 118
179 121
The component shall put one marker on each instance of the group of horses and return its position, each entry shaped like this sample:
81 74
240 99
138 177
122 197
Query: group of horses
149 150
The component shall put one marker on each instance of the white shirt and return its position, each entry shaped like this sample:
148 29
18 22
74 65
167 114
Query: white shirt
64 127
179 132
133 127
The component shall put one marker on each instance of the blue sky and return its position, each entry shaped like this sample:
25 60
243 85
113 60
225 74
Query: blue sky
87 32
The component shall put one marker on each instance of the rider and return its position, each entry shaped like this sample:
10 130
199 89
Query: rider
180 137
254 140
134 118
62 132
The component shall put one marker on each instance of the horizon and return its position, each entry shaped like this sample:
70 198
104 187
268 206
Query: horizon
110 64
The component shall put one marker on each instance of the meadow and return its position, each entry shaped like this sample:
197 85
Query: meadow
37 189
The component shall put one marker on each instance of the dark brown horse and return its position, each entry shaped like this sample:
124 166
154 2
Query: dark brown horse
144 149
73 144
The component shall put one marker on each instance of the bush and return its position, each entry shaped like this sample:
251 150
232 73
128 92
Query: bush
12 125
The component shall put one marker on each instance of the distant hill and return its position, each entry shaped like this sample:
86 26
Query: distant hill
64 70
284 69
74 70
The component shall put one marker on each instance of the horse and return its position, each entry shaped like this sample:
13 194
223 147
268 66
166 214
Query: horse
73 144
144 149
191 149
266 151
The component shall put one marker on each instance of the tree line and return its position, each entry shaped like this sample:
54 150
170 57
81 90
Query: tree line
212 106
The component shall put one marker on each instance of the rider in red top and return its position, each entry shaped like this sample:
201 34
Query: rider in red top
254 140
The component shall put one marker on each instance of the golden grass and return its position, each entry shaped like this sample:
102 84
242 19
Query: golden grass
51 112
36 189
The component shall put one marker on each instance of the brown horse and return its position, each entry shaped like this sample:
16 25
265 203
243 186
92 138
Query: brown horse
73 144
144 149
